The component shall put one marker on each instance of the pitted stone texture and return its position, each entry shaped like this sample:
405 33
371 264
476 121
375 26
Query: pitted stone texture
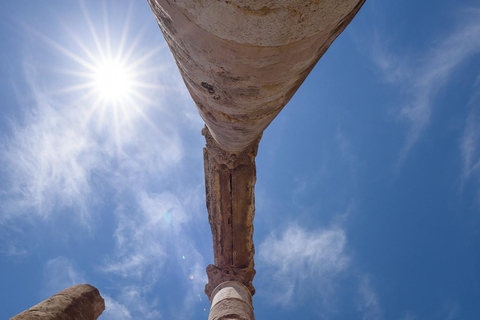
229 185
239 85
242 61
231 300
80 302
217 275
265 23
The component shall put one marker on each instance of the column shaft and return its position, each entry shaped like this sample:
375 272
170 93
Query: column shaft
231 300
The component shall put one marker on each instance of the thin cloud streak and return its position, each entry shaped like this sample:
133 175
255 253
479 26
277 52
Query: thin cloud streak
49 162
71 154
142 236
62 154
149 240
423 79
312 264
60 273
297 257
115 310
367 300
470 142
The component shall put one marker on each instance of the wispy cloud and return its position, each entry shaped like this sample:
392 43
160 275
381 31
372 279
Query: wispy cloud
136 301
60 273
409 316
298 256
314 264
451 311
115 310
48 161
142 235
70 155
367 300
12 250
149 241
424 77
348 155
69 146
470 141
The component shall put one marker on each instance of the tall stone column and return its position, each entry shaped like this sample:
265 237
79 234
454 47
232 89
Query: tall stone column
242 61
229 182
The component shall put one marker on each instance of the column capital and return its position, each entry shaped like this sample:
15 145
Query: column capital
217 276
231 159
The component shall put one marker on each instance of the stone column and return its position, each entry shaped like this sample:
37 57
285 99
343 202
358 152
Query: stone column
80 302
229 183
242 61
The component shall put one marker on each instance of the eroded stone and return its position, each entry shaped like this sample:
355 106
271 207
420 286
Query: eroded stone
79 302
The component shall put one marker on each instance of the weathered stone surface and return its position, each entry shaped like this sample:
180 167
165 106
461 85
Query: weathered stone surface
79 302
217 275
242 60
267 23
231 300
229 183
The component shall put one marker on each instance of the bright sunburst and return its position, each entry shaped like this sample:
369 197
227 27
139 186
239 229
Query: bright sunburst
111 77
113 81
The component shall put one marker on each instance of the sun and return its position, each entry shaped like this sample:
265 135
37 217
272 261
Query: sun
113 81
110 74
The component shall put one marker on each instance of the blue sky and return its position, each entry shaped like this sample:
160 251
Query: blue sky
368 189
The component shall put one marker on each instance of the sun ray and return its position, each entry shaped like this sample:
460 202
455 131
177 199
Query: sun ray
110 81
145 118
61 49
139 84
134 44
146 57
106 29
94 108
124 34
82 46
91 27
73 88
118 140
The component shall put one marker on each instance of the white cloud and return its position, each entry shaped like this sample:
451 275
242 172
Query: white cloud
49 162
470 141
149 241
297 257
143 236
312 267
69 147
367 300
451 311
12 250
71 156
410 316
60 273
137 300
114 310
421 79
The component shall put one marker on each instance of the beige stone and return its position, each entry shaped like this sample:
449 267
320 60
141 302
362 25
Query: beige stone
229 183
242 61
238 78
79 302
231 300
